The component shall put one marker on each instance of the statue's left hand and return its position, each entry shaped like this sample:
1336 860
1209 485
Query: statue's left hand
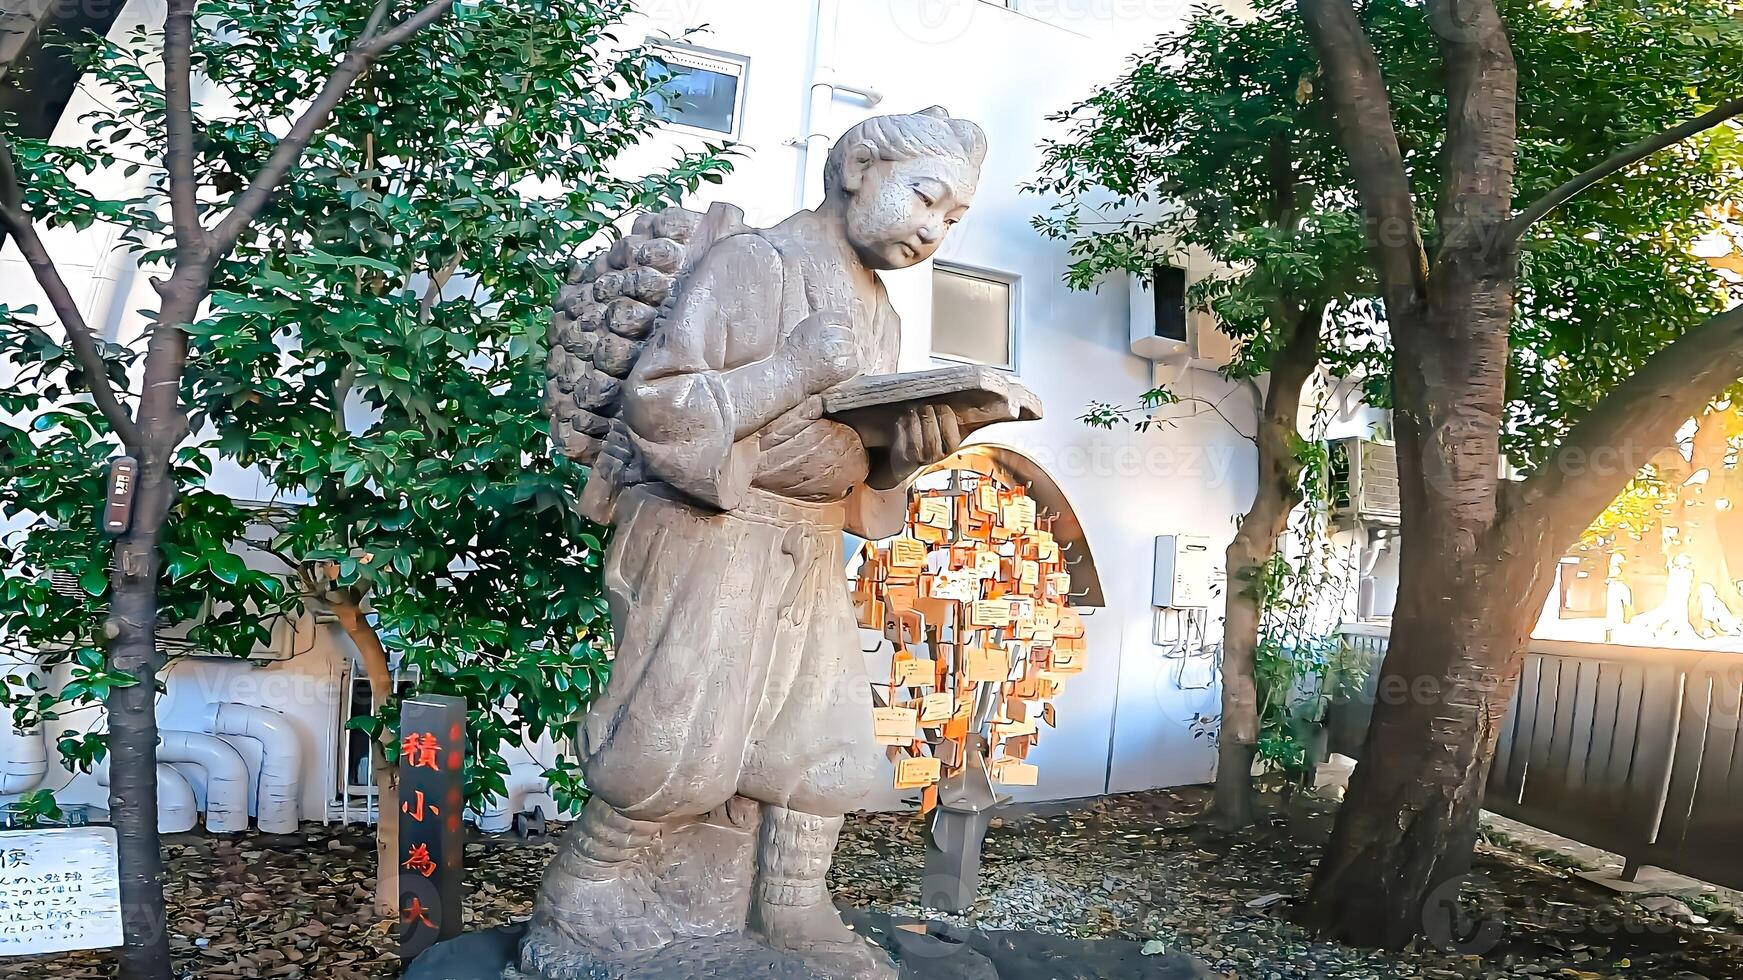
924 435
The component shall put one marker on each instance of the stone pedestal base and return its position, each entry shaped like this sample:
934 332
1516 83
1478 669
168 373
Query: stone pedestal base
942 953
728 957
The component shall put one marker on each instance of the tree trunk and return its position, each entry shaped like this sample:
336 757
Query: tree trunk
1404 838
1239 731
1478 554
386 777
1469 591
1254 544
1471 585
1243 608
1699 520
132 634
1467 580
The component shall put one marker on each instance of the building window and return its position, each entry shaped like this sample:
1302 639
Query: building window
971 317
701 91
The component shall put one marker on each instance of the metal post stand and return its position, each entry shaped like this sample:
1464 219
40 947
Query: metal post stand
966 803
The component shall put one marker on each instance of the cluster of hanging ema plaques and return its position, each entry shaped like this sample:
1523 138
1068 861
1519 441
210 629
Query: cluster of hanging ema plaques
975 598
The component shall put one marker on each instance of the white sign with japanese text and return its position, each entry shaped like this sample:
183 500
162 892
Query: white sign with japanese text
59 890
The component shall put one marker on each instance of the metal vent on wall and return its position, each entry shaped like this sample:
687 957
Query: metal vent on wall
356 800
65 583
1165 327
1365 481
172 638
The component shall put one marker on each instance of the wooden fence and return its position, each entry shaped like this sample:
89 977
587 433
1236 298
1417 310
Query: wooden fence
1636 750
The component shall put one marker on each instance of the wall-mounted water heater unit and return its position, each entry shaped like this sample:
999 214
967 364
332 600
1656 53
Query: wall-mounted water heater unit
1165 327
1187 570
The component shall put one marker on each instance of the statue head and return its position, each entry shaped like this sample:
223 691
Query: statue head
902 182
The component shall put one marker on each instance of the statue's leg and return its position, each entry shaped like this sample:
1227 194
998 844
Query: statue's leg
662 747
595 898
792 909
703 870
816 760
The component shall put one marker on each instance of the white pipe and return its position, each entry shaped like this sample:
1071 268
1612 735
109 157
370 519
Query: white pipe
498 815
227 779
819 134
177 813
871 95
24 752
813 144
281 761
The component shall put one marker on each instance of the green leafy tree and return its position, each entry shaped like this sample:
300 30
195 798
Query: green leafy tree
1212 144
201 230
54 453
375 348
1541 301
1222 140
362 242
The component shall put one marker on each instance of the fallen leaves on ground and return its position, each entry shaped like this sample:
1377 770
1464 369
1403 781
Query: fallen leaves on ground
1144 867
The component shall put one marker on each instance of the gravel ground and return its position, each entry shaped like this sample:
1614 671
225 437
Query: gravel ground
1147 867
1143 867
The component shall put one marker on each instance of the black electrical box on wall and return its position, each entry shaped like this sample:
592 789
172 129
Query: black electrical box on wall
1170 295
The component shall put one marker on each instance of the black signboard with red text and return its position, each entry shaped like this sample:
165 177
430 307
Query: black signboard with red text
432 838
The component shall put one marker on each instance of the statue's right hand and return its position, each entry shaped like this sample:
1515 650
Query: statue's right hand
825 351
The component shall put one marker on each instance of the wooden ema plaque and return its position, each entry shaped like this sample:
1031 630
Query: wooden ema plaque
973 594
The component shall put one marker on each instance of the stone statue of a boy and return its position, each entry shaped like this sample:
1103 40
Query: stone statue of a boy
737 727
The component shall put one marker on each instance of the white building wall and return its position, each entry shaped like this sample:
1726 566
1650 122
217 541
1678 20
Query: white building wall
1124 722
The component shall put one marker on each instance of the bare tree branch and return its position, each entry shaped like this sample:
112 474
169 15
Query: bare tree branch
1622 160
79 337
369 47
377 17
1363 112
375 45
178 48
1622 433
1217 407
438 282
11 191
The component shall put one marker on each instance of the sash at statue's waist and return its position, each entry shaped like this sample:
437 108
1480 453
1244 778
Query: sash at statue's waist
763 507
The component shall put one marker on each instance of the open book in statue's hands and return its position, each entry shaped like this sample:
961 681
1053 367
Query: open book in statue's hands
979 396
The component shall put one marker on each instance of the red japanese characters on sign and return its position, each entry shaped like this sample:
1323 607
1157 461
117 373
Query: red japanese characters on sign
420 861
416 811
419 750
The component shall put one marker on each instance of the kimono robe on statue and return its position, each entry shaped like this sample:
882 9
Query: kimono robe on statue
738 670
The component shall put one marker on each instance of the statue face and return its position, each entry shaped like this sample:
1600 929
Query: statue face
899 211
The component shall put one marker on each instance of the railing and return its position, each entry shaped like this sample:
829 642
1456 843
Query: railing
1637 750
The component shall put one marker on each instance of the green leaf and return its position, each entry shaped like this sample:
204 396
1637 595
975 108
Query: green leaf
228 568
95 580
